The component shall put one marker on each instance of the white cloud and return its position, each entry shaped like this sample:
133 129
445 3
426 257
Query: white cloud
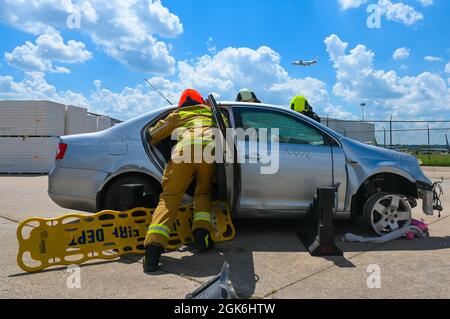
224 74
348 4
47 49
338 112
430 58
161 21
398 12
232 69
447 67
426 3
401 53
97 84
123 105
125 30
34 86
357 80
212 49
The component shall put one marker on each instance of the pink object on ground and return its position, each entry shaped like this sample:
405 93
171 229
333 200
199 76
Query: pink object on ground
410 236
419 224
416 229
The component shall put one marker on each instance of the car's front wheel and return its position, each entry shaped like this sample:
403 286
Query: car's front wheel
112 199
384 212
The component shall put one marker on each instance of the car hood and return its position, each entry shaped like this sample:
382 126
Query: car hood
374 159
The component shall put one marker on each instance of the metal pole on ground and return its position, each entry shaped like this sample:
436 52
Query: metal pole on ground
361 131
390 133
317 233
363 107
429 144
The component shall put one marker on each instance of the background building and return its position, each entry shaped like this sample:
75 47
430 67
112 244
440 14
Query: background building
357 130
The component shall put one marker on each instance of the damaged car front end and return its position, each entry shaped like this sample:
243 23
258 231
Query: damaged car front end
384 186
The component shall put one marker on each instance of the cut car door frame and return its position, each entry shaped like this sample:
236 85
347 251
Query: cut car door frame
228 174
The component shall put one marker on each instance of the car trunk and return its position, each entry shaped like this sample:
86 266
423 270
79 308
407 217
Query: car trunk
83 151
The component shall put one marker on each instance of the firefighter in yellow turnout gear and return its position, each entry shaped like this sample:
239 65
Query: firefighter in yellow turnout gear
193 119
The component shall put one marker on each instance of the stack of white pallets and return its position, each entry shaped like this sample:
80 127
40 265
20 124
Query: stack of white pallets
28 135
103 123
91 123
27 154
31 118
76 118
29 132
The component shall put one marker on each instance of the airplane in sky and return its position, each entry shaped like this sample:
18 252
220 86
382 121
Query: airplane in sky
305 63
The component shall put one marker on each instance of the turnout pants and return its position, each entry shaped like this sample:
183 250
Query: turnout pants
176 180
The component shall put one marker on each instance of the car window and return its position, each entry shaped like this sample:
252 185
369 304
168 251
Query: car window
292 131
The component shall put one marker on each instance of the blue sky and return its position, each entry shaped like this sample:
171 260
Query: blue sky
221 46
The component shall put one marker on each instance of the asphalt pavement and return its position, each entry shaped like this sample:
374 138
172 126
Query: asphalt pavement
267 260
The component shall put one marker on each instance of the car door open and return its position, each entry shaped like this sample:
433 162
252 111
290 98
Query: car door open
227 170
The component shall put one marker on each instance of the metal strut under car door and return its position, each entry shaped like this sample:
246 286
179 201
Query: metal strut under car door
228 170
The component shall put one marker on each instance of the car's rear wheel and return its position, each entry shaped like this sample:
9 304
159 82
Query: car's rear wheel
384 213
112 198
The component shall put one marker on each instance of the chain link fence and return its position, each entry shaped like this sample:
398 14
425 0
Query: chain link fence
426 139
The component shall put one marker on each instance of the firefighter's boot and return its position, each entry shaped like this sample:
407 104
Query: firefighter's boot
203 239
151 258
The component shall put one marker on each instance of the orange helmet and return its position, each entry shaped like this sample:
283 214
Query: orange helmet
190 97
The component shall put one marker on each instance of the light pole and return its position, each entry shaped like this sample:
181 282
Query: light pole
363 107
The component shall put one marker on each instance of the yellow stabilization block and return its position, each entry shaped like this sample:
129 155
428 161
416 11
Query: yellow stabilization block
76 238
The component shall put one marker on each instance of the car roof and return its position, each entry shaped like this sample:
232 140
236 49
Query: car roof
246 104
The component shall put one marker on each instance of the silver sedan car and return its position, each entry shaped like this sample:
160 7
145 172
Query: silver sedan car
379 185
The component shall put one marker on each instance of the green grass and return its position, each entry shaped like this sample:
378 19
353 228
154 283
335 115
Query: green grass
435 159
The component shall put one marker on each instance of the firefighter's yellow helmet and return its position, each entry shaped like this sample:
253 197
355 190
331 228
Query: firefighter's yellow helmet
300 104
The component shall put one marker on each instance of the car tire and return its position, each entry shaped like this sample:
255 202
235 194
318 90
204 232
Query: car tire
113 201
384 213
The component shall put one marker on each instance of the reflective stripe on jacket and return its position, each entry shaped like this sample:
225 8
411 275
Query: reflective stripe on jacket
193 125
